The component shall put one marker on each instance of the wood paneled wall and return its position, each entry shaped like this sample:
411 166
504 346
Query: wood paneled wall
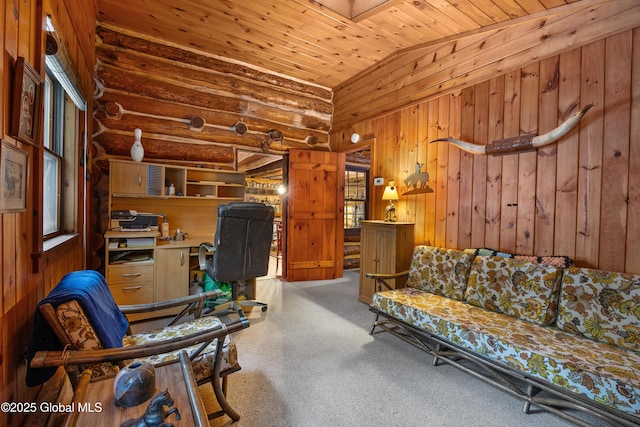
578 197
424 72
27 273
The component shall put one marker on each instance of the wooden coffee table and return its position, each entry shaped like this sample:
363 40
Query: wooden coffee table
94 403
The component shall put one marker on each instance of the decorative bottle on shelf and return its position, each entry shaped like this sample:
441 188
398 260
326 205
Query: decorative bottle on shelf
165 228
137 150
172 190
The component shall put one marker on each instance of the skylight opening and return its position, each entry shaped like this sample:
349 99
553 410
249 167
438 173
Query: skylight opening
356 10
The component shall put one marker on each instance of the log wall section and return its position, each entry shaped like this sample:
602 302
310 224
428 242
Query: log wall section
27 273
184 100
578 197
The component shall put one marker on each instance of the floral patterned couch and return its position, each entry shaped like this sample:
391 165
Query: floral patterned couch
540 324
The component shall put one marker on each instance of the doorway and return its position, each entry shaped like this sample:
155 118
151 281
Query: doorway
356 205
264 183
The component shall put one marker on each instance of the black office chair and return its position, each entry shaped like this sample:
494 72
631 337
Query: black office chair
241 248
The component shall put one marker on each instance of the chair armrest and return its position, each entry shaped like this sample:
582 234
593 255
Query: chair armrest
154 306
193 305
44 359
381 279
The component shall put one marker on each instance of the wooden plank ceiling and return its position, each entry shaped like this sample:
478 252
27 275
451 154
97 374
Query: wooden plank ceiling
305 40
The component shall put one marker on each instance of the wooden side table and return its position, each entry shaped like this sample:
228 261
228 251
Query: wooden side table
386 247
93 402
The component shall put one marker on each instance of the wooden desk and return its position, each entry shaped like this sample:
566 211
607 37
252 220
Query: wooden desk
177 378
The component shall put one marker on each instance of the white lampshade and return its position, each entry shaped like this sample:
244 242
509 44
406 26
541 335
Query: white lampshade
390 192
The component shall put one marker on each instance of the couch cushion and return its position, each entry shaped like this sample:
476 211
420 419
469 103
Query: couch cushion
203 363
601 305
81 333
601 372
440 271
521 289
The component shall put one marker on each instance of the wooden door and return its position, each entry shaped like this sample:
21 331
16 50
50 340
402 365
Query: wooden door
314 215
172 277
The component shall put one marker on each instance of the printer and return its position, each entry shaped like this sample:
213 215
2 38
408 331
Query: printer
131 220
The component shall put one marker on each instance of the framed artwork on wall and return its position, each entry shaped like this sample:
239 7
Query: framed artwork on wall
14 178
25 102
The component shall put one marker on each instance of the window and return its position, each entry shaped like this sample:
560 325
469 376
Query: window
61 139
355 196
65 119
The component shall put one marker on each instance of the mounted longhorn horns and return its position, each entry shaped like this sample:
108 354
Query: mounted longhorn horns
522 142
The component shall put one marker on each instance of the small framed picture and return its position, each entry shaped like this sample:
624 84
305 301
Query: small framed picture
25 102
14 174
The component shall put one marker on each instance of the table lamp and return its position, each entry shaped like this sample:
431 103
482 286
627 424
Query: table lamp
390 194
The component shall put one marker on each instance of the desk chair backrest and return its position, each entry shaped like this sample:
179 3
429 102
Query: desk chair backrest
242 242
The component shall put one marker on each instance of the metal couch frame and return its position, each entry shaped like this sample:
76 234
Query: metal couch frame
512 381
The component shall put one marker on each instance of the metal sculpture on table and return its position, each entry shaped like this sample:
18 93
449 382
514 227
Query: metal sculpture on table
155 413
520 143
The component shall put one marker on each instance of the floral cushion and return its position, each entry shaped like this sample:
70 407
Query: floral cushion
82 335
601 372
440 271
203 364
601 305
521 289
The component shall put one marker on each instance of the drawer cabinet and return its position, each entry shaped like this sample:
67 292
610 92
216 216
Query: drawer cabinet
129 273
130 268
132 284
132 293
140 270
385 247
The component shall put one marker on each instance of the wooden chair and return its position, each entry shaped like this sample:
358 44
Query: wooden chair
79 332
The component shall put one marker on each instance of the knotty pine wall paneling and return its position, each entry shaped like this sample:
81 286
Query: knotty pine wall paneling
633 213
431 165
578 197
409 124
590 152
615 151
479 171
431 70
510 163
546 157
494 163
566 186
442 173
453 174
415 206
465 207
27 274
525 223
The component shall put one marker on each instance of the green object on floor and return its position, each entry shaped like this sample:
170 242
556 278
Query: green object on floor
210 284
